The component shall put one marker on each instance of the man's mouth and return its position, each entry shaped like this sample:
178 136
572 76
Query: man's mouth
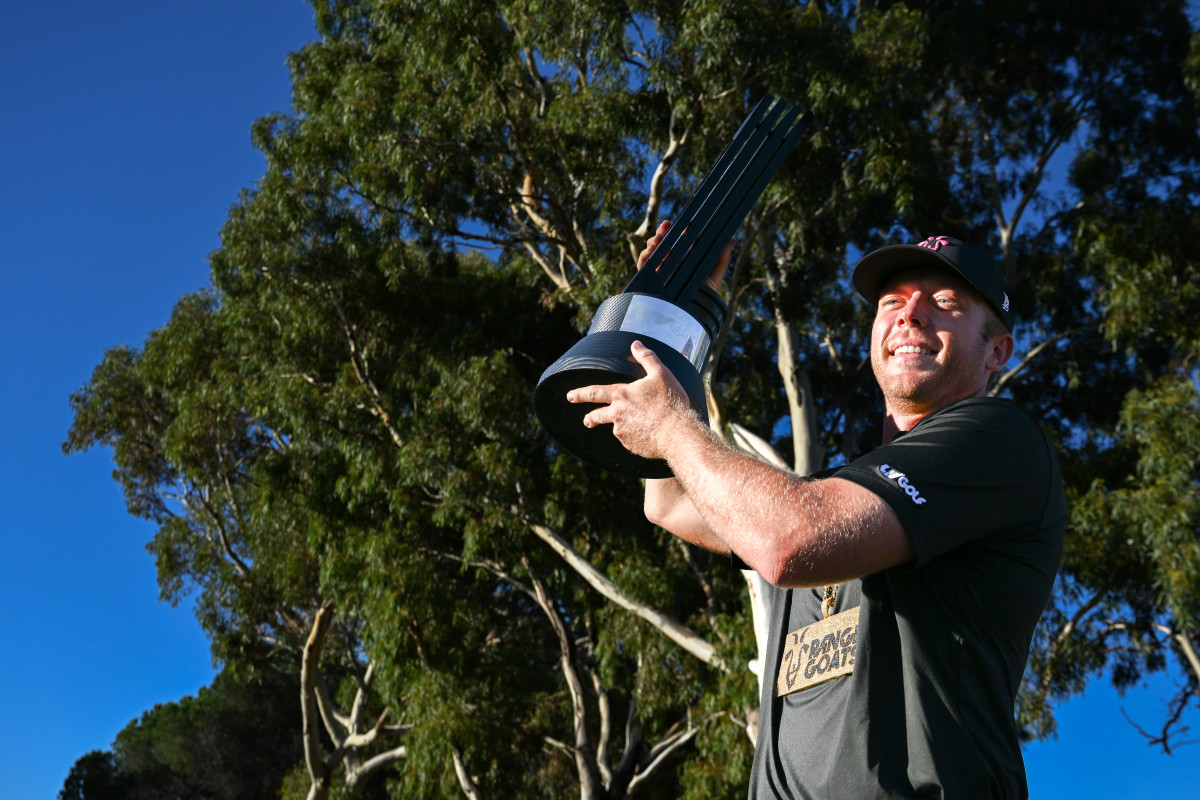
911 348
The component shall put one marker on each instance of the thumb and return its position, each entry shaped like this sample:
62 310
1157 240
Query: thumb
647 358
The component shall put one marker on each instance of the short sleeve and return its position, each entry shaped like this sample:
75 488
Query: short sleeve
977 469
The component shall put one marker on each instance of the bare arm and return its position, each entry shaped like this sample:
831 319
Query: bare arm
668 505
793 531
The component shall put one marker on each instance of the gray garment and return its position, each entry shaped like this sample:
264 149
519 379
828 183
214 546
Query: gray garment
941 643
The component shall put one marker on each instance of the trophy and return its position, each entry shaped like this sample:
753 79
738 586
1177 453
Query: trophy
667 306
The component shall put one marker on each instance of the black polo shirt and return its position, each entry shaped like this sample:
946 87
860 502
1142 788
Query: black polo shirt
941 643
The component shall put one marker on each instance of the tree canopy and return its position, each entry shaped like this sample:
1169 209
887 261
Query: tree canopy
337 442
235 740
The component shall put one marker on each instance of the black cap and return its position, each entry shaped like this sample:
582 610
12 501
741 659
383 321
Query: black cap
976 266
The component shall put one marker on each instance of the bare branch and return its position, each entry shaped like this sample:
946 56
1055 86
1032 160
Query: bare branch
538 81
556 274
318 771
1029 357
604 704
488 566
675 142
470 789
362 372
660 753
1177 706
360 700
1070 123
585 764
807 452
1060 641
1184 640
753 443
243 569
633 738
336 725
381 760
680 634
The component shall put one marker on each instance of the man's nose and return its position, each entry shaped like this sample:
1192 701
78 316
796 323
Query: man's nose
913 312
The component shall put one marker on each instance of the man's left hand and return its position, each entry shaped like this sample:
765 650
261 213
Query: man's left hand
640 412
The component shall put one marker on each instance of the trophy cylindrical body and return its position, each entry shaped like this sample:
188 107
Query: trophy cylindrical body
680 338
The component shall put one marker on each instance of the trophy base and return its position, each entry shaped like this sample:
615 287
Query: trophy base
603 358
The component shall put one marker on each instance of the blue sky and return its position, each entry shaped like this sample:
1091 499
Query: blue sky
125 140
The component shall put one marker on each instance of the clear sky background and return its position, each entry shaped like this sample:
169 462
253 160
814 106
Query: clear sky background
123 142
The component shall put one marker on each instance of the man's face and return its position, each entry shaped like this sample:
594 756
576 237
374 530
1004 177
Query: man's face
927 345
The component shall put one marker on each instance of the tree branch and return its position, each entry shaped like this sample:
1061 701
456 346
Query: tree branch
681 635
318 771
470 789
604 704
675 143
1184 640
362 373
384 759
336 725
807 453
360 700
659 754
488 566
633 738
226 546
1029 357
589 779
1061 639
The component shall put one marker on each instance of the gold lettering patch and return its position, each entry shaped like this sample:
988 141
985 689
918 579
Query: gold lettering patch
820 652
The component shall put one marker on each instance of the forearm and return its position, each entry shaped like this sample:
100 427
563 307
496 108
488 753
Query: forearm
668 506
793 531
735 495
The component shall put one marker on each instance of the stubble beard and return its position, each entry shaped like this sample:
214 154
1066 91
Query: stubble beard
920 389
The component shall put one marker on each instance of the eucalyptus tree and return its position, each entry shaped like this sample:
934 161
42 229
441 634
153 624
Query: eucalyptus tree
338 441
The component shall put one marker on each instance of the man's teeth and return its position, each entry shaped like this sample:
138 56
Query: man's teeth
910 348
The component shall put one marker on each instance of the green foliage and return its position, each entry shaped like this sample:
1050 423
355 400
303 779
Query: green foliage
95 776
235 739
345 418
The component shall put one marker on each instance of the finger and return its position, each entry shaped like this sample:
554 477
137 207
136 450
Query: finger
590 394
656 370
718 271
653 241
598 416
647 358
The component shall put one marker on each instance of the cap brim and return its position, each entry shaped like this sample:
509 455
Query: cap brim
873 269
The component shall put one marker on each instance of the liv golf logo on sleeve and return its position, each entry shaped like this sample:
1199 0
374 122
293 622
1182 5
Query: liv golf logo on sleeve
893 474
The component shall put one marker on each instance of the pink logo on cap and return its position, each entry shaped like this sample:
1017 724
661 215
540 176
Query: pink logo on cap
934 243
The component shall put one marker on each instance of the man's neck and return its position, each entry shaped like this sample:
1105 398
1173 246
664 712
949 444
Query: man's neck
895 423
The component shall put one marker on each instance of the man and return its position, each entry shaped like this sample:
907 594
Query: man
910 580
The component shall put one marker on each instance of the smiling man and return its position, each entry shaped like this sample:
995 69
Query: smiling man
909 581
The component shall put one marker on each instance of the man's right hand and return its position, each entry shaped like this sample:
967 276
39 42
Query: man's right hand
713 281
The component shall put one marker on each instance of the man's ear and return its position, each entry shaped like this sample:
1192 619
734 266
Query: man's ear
1002 350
